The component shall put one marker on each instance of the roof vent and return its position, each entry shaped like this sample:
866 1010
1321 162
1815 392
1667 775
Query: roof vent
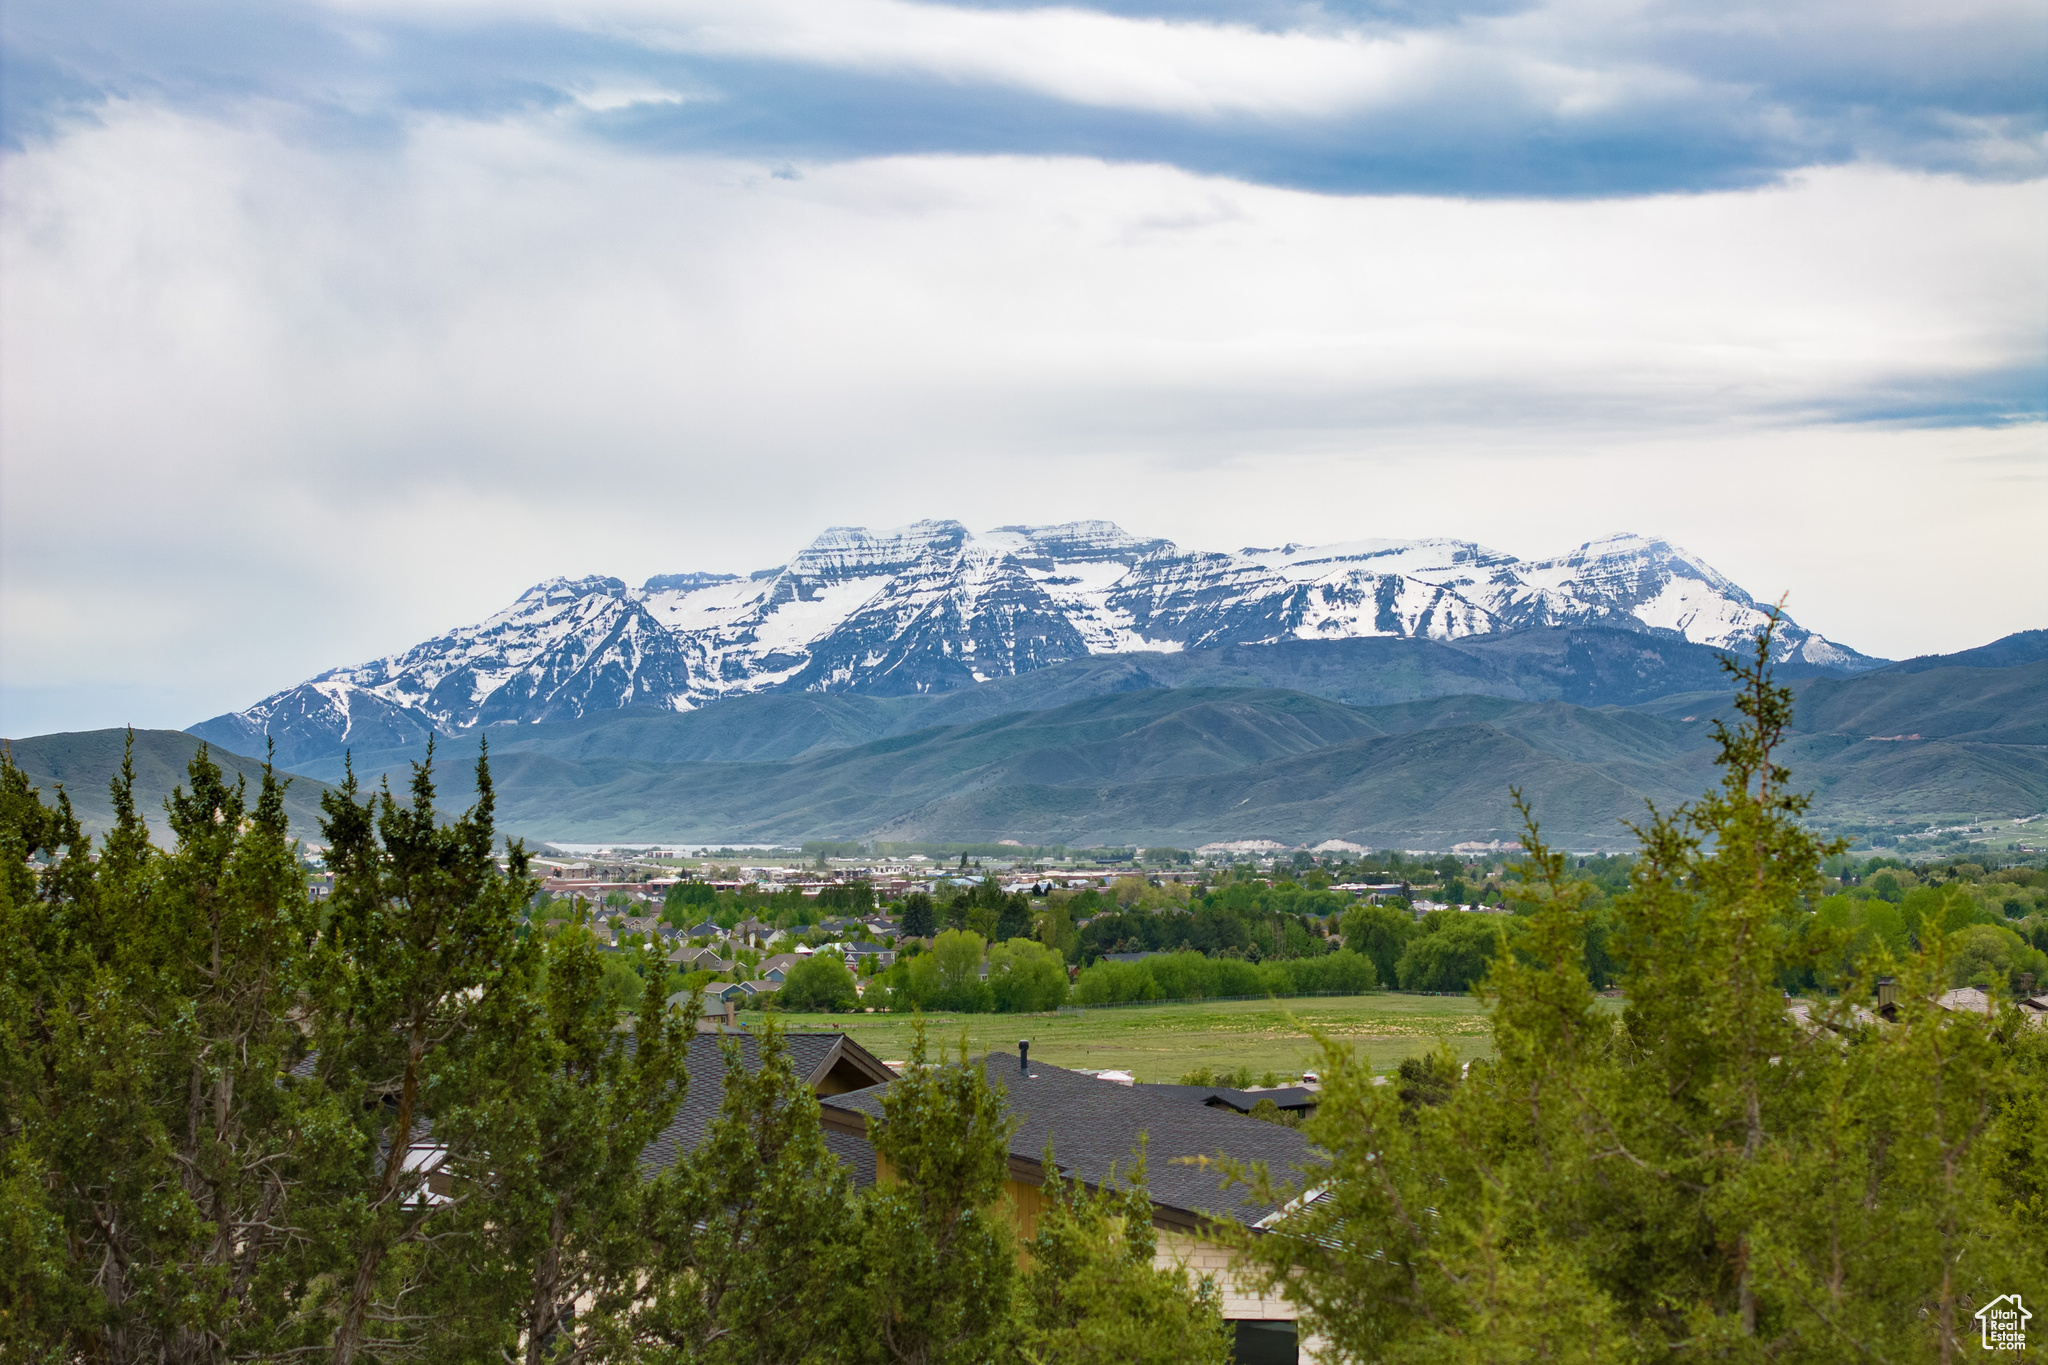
1024 1055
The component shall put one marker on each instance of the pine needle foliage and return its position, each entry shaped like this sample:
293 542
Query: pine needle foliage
1092 1295
747 1250
938 1257
1717 1173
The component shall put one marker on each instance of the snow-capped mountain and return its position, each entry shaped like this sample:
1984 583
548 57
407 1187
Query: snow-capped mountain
932 606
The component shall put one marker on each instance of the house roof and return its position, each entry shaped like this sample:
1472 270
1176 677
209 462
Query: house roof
1095 1124
829 1062
1295 1097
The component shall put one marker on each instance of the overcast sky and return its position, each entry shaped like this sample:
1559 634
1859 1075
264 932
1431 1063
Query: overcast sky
326 327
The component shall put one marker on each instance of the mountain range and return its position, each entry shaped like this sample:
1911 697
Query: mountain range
1076 684
932 608
1408 743
1377 742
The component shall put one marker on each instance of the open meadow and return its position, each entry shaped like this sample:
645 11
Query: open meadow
1164 1042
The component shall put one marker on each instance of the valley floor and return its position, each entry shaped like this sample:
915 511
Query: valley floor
1164 1042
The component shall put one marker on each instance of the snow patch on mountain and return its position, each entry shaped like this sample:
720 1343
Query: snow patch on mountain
932 606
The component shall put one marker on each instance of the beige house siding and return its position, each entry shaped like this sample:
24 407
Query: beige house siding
1240 1301
1206 1258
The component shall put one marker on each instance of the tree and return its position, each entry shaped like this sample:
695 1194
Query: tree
920 919
819 982
1709 1176
418 942
939 1261
1013 917
153 1162
748 1243
1092 1295
1380 933
1450 951
575 1101
1026 977
1055 929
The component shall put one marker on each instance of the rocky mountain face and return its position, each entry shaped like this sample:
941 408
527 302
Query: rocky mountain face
933 607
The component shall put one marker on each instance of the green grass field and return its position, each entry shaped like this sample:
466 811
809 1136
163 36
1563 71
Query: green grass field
1164 1042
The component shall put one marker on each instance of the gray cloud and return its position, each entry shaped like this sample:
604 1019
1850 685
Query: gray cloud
325 328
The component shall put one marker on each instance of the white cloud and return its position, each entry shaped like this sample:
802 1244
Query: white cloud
1079 55
268 408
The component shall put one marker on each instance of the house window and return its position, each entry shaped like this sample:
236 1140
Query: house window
1264 1343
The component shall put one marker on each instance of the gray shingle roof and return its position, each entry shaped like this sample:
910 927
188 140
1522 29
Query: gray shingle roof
1294 1097
828 1059
1094 1124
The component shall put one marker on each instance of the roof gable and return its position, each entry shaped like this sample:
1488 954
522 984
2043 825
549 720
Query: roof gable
1095 1125
830 1064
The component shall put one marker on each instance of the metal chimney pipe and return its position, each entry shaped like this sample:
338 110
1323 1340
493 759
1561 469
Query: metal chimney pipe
1024 1055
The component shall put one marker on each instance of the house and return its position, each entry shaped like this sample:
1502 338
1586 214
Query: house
1094 1125
776 968
649 925
698 960
1962 1000
712 1013
856 951
705 930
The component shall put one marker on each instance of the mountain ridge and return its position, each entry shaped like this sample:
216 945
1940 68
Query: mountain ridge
932 608
1191 764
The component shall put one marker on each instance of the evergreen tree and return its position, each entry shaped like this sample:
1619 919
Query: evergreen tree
411 974
938 1261
920 919
48 947
1092 1295
573 1102
747 1240
156 1156
1713 1175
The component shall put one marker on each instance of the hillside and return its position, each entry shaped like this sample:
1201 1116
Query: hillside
1300 741
84 763
1591 666
1151 764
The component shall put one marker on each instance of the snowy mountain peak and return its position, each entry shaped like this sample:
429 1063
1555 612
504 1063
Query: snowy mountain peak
932 606
1074 542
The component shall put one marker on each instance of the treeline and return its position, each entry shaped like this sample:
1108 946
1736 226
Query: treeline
688 903
1242 919
1450 951
1189 975
240 1124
